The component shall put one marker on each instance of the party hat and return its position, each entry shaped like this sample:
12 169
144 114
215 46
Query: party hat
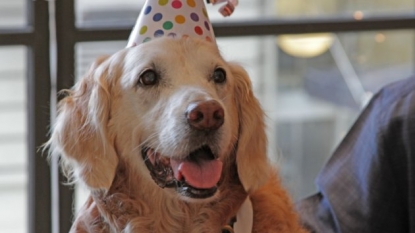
176 18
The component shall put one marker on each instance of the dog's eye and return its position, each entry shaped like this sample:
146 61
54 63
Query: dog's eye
219 76
148 78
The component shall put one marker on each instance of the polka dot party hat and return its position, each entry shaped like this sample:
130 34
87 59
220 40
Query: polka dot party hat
176 18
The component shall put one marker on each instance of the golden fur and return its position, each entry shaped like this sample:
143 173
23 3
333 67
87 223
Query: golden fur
106 118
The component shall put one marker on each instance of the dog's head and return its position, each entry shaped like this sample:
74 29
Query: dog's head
172 110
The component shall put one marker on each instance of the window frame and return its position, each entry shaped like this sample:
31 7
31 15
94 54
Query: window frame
36 37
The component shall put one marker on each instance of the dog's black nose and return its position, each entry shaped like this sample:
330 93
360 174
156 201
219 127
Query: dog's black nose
205 115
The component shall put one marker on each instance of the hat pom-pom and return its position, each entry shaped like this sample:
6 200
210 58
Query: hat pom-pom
228 8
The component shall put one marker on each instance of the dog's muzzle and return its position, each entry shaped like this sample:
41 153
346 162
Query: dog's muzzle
197 176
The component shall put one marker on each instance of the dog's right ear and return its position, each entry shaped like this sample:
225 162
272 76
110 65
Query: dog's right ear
252 162
80 134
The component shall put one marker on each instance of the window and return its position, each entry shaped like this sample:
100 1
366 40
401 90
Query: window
313 66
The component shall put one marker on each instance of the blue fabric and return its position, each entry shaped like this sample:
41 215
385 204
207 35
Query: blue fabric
368 185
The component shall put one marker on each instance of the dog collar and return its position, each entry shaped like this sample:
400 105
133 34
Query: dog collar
244 219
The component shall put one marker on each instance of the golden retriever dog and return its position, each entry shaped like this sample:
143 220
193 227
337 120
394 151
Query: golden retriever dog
168 137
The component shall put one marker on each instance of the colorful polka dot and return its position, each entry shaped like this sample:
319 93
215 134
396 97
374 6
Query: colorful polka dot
191 3
146 39
207 26
147 10
158 33
167 25
157 17
198 30
180 19
143 30
163 2
185 36
194 17
172 34
176 4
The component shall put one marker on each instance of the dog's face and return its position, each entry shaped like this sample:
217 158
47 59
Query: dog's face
173 110
178 102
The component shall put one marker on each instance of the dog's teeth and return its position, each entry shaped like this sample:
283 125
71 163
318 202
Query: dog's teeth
150 152
165 161
197 192
152 156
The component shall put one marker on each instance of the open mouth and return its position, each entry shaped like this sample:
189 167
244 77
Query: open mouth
196 176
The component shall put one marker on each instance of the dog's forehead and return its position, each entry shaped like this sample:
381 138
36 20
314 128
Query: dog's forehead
167 51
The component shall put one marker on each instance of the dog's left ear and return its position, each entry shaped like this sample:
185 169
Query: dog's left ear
252 162
81 134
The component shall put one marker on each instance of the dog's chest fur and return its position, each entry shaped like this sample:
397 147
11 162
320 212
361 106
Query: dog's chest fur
126 209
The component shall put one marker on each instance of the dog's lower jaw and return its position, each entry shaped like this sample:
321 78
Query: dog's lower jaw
136 204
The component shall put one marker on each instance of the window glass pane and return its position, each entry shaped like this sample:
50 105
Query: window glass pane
125 12
357 9
295 9
324 80
13 145
106 12
13 13
87 52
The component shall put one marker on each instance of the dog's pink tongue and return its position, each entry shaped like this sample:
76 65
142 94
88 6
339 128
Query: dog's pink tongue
202 175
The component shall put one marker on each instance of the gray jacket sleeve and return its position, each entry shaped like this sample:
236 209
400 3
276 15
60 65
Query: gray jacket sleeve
368 185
